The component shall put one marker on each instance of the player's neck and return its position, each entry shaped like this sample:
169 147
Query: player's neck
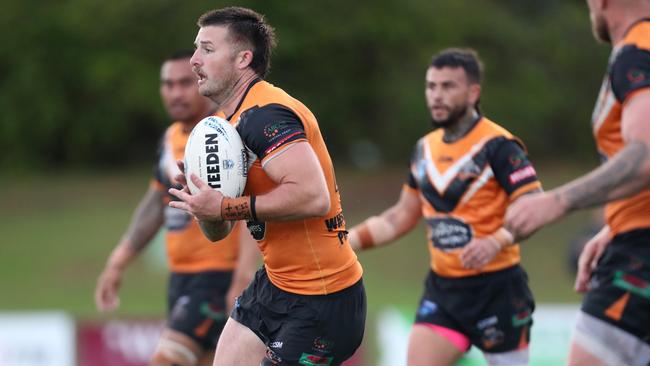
229 106
619 27
459 129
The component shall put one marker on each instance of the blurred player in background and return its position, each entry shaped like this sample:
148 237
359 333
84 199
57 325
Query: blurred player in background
613 326
463 176
307 305
205 277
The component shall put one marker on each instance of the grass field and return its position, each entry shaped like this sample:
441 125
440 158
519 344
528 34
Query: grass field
58 229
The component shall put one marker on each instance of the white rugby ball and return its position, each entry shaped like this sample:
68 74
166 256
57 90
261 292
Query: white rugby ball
216 154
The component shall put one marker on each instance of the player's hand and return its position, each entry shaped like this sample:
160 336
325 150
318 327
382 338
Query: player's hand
180 178
589 257
532 211
479 252
108 284
205 205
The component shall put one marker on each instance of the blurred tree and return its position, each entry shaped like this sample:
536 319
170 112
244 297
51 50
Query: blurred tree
79 77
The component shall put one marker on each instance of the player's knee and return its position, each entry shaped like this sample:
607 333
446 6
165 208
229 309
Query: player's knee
173 353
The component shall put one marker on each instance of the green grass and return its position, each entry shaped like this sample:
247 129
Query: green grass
58 229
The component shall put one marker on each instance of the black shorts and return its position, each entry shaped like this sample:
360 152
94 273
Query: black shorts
493 310
196 304
303 329
620 284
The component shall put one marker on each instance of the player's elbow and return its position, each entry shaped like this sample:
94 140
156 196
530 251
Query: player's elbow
319 204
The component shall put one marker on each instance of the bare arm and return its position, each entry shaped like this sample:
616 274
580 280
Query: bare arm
301 192
145 223
390 224
626 174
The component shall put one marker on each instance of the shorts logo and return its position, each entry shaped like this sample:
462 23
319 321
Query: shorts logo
487 322
521 318
213 311
492 337
179 311
276 344
521 174
313 360
323 345
427 308
273 357
632 283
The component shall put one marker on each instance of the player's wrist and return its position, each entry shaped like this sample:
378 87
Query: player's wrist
238 208
502 238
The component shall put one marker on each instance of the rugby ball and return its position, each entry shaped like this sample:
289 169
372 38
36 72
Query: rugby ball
216 154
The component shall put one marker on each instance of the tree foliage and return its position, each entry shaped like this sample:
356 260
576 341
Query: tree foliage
80 77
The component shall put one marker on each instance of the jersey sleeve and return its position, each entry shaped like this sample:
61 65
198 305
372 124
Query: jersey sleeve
630 72
264 130
411 182
512 169
158 179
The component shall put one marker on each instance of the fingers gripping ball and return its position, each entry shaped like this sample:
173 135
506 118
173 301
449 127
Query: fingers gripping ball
216 154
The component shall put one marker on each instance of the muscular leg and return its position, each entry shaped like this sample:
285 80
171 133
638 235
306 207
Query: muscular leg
428 347
578 356
238 346
176 349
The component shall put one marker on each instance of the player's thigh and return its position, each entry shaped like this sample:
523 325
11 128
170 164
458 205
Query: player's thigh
579 356
238 346
596 339
176 349
429 346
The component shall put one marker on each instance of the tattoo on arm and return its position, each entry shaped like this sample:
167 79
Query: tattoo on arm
146 221
620 177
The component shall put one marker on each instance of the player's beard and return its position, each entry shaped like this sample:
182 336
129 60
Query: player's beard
600 29
455 114
221 89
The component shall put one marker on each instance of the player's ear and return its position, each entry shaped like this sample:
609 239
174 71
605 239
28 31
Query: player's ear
244 59
474 93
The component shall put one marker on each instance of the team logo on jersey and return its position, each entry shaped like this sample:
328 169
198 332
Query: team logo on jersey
257 229
449 233
635 76
272 129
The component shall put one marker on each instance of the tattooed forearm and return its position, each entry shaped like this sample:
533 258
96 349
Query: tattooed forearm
216 230
146 221
620 177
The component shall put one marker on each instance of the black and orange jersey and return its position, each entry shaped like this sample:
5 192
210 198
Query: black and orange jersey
188 250
310 256
465 188
628 73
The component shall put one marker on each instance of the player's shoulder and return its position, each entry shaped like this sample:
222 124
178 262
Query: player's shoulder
491 127
638 37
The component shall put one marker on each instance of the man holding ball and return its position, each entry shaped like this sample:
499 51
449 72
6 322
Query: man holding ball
307 304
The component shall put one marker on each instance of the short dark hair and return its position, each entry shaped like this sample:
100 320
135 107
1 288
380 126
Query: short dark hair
245 25
181 54
466 58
